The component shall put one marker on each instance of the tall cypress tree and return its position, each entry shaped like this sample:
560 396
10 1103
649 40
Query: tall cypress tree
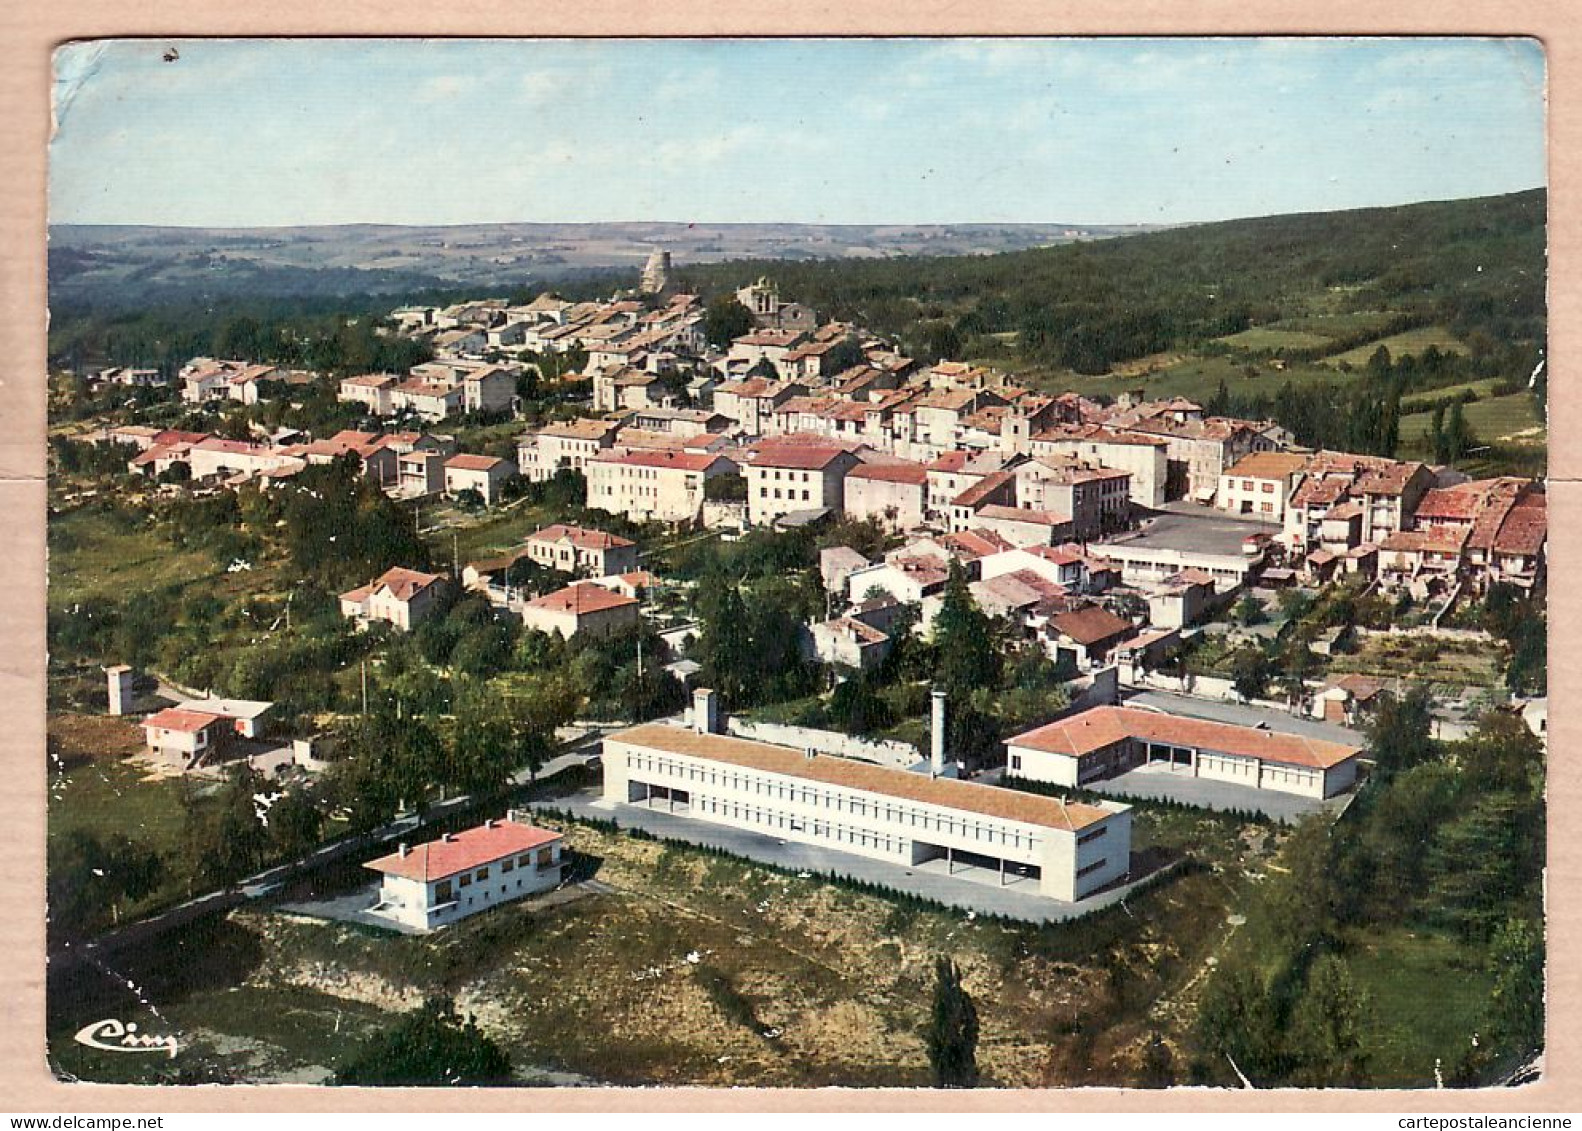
952 1030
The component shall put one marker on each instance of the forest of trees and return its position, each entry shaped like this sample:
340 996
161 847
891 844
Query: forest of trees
1446 838
1476 266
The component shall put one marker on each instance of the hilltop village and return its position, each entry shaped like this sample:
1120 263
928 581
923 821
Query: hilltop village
743 578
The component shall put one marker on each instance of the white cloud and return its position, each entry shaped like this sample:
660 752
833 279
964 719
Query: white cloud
442 88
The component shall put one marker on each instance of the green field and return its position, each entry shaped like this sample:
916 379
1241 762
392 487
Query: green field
1399 345
1197 378
1272 338
92 556
1428 1002
1326 319
1424 402
1493 420
1452 663
449 529
95 787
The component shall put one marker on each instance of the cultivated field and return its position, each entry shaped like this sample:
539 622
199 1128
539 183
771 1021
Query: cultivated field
1399 345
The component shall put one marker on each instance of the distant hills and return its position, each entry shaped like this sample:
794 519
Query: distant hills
121 266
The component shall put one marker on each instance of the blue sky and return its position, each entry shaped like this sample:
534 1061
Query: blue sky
275 132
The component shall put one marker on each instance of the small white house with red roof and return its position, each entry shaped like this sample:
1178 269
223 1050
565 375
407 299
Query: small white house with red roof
186 735
585 607
580 549
443 881
483 474
402 597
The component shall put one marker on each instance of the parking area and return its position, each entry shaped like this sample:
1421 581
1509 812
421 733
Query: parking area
1162 782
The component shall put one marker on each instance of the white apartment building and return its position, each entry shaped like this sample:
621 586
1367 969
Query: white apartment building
1144 458
402 597
653 486
903 817
569 444
460 874
579 550
1259 485
892 494
371 390
785 478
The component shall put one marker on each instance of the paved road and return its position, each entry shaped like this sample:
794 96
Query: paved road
268 882
981 895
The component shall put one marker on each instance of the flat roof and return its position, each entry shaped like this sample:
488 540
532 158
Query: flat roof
1092 730
1210 532
948 793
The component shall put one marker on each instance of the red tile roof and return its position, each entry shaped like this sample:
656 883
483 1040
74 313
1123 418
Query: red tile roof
581 537
983 489
581 599
1000 513
796 456
679 461
465 462
970 545
912 473
404 584
1452 504
1267 465
173 436
177 718
1091 625
1099 727
464 851
1390 479
1435 540
1526 527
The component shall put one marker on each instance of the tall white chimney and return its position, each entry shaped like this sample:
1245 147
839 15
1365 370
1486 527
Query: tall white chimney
936 759
705 711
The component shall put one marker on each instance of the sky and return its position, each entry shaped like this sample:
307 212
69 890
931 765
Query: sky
238 133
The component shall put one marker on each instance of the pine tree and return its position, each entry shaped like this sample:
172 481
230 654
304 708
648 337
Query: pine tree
964 636
431 1046
952 1030
1329 1026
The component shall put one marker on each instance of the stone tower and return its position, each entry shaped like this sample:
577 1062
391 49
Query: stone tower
656 272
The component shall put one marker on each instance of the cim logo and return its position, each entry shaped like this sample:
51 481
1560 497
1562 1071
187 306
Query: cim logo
116 1036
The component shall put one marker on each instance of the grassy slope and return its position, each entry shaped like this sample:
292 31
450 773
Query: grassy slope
1426 1002
1399 345
603 986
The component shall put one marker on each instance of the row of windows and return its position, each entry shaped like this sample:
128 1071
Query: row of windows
763 493
442 890
1091 868
876 807
786 822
